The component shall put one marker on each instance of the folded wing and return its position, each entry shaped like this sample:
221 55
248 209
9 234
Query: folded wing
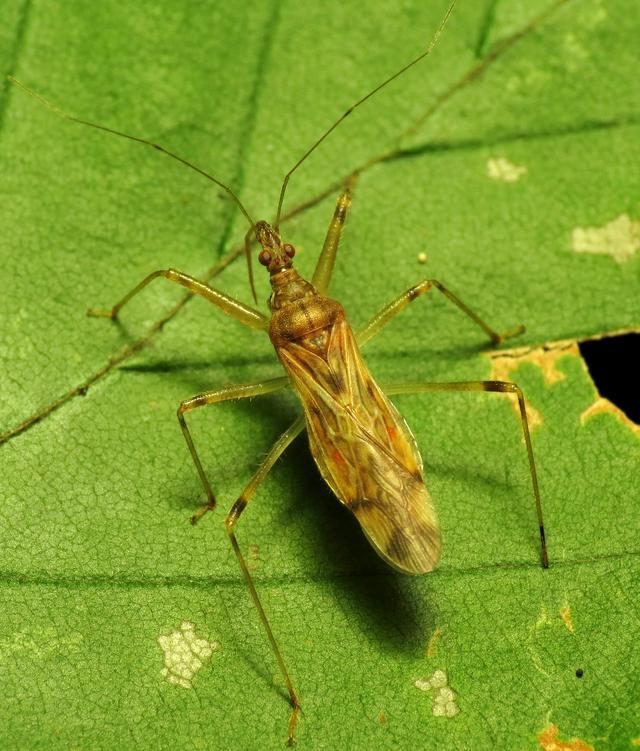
364 449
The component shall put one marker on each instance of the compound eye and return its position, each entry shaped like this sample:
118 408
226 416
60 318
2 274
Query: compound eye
264 257
289 250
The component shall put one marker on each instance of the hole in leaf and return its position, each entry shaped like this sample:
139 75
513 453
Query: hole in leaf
612 362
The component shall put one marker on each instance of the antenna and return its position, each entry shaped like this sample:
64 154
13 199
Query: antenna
398 73
61 113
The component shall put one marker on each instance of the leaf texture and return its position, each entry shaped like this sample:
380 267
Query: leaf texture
520 129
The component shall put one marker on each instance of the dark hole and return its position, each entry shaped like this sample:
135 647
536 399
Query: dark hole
611 364
579 673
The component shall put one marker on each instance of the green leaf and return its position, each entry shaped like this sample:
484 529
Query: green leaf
525 163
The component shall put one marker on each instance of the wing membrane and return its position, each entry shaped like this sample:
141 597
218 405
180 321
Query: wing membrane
364 449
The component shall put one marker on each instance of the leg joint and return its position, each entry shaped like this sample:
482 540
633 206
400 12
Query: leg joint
419 289
344 202
233 515
189 404
503 386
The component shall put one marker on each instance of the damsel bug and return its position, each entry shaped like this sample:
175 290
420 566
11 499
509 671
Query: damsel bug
361 444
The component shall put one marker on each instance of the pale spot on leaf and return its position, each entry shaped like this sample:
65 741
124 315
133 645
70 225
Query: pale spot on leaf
184 654
39 643
444 699
502 169
542 621
433 641
574 52
619 238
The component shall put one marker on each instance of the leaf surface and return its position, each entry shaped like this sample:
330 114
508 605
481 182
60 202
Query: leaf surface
517 135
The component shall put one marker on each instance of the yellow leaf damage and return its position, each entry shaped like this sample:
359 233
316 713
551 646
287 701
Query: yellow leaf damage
546 357
548 740
565 614
604 406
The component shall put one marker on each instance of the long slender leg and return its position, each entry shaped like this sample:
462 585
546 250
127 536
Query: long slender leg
232 519
503 387
324 267
229 305
241 391
399 304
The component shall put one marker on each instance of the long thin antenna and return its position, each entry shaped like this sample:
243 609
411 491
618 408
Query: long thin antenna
61 113
424 54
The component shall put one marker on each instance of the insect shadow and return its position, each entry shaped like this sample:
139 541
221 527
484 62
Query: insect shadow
385 608
181 364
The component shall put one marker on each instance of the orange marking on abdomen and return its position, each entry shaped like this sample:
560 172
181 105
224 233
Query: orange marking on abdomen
392 431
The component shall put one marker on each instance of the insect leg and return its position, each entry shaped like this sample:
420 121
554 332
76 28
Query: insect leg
240 391
324 267
503 387
229 305
399 304
230 522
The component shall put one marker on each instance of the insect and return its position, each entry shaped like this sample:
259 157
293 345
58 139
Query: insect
362 446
